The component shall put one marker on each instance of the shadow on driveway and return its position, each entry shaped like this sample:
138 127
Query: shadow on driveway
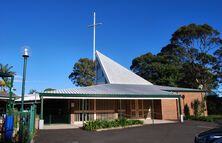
161 133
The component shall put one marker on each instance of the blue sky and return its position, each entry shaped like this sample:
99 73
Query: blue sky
57 33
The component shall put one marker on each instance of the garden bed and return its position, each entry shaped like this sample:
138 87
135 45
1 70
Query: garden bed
99 125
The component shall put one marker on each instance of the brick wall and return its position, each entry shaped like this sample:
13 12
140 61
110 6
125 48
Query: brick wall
189 98
169 109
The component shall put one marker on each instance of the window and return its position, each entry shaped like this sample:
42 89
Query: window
104 116
105 104
88 104
123 104
88 116
100 77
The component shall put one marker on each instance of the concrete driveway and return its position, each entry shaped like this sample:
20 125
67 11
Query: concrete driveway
160 133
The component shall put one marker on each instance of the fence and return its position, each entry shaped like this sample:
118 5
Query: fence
27 125
23 126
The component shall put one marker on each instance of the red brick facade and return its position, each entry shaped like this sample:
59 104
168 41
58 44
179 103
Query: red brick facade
166 109
170 108
189 97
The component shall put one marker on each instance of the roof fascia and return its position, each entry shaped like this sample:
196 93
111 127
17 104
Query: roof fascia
112 95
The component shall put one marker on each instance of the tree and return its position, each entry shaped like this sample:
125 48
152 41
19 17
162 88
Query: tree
186 111
49 89
197 42
195 105
198 107
187 61
2 84
214 104
31 91
173 54
157 69
83 73
5 82
193 75
193 36
218 66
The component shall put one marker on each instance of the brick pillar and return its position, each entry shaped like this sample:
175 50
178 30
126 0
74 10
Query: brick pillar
169 109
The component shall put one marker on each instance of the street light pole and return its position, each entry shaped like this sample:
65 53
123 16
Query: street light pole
25 56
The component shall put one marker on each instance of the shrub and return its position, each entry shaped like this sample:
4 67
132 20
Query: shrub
210 118
123 122
100 124
196 107
186 110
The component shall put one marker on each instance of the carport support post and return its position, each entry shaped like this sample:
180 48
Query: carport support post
180 110
83 112
94 116
41 121
120 108
152 112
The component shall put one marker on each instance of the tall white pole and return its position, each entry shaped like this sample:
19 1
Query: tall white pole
94 34
94 37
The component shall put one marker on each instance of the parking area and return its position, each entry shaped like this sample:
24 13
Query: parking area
160 133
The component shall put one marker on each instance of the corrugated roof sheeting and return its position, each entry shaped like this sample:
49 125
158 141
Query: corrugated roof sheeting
176 89
29 97
118 89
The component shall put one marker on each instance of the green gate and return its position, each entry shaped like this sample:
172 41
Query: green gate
27 124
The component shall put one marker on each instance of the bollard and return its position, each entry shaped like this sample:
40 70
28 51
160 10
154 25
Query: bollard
41 124
181 118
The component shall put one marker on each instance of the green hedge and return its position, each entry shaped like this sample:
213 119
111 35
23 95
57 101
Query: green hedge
101 124
210 118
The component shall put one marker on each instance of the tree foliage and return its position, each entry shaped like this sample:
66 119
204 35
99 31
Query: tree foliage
187 61
5 81
156 69
83 73
49 89
218 66
193 36
214 105
32 91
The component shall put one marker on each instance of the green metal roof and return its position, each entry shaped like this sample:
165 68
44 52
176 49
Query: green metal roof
113 91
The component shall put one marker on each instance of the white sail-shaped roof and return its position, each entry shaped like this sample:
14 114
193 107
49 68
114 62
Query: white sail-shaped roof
117 74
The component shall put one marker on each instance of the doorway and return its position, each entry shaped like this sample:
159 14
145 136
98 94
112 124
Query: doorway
56 111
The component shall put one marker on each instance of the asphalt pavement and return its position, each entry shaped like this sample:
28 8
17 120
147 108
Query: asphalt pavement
161 133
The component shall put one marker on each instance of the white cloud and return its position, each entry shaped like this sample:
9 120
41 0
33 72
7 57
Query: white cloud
18 76
18 79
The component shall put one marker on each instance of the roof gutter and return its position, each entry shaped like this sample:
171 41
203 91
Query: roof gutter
106 96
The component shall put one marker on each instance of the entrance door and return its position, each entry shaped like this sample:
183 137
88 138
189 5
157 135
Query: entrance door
138 109
56 111
134 109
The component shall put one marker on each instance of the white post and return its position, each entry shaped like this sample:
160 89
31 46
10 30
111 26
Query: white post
41 124
94 115
181 118
94 36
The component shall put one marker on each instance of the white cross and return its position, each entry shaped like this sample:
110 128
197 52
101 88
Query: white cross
94 34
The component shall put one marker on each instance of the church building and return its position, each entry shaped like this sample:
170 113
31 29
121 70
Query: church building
118 93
